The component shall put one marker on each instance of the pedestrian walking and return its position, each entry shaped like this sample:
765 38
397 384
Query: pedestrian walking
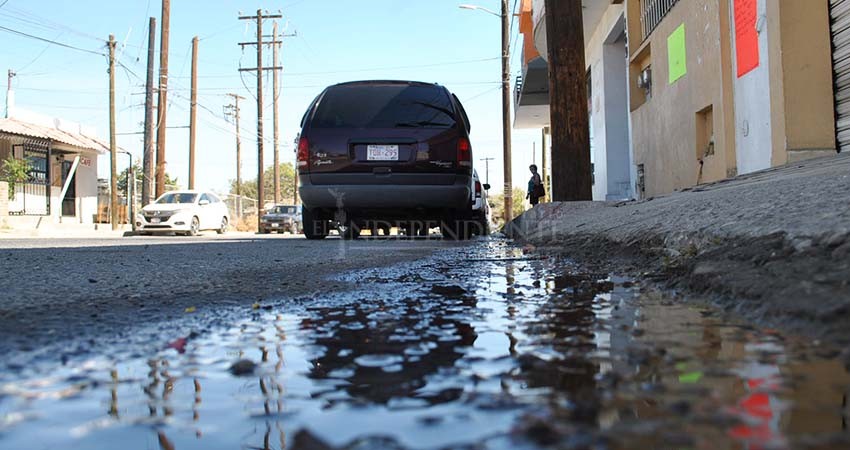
535 186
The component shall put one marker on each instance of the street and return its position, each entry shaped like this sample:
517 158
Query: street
382 344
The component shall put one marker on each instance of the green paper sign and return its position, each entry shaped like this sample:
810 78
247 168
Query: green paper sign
676 54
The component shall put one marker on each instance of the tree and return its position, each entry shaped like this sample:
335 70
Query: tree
497 200
125 174
287 185
14 171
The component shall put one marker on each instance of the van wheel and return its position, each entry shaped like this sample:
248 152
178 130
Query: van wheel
455 230
314 229
349 231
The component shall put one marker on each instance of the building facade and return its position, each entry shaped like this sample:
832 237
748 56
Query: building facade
61 185
685 92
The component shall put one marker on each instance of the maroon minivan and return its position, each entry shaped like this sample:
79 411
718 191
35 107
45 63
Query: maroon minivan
385 153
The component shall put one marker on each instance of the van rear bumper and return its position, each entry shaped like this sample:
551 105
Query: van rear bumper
355 195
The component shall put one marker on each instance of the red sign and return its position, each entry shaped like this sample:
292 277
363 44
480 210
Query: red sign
746 36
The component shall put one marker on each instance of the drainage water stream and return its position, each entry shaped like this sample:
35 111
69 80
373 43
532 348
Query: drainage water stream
479 347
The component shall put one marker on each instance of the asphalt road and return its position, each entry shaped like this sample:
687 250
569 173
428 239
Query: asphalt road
93 289
386 345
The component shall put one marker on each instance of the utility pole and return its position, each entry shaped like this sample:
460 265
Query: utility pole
276 123
233 110
545 172
113 148
506 110
571 177
162 104
148 159
193 113
259 69
10 96
487 169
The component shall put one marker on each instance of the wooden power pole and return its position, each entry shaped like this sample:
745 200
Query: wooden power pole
193 113
233 110
148 157
571 177
162 104
506 112
276 112
259 69
113 147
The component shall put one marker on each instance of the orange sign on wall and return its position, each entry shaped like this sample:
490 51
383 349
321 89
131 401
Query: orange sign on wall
746 36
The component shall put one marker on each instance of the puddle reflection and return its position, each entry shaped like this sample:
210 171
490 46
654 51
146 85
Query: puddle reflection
485 348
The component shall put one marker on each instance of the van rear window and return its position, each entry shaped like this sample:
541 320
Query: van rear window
385 106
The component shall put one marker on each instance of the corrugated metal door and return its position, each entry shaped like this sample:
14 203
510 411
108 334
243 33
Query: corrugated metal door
840 27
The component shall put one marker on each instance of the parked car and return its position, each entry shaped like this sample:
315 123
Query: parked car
281 218
480 206
385 152
184 212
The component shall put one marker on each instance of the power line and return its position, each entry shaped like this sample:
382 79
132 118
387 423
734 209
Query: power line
60 44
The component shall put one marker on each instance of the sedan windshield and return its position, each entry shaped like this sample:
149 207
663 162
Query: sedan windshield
175 198
283 210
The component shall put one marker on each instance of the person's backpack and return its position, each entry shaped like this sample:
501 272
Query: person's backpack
539 191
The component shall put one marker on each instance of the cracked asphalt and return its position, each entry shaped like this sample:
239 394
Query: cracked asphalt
93 289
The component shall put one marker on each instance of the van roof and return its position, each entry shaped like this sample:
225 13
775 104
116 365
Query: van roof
354 83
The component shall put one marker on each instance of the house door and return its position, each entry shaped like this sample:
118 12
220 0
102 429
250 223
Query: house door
69 203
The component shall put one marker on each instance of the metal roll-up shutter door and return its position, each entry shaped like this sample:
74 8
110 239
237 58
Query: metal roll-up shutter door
840 28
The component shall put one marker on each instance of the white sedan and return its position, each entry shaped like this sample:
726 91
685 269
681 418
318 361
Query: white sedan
184 212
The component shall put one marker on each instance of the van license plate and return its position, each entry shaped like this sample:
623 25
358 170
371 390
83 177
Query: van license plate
382 152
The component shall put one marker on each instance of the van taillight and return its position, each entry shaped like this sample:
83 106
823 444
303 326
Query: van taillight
464 152
303 152
477 189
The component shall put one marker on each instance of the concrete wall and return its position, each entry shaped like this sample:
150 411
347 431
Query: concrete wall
4 203
606 62
803 61
665 126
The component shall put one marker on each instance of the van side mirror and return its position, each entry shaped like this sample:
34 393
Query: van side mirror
204 202
486 186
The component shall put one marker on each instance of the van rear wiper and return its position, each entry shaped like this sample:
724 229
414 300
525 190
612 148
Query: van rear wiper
445 111
421 123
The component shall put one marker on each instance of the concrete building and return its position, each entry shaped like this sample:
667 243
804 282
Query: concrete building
62 158
684 92
605 54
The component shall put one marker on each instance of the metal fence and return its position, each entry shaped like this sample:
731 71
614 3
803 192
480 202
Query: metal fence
32 197
653 12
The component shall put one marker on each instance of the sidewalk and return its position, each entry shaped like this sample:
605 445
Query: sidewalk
774 245
64 231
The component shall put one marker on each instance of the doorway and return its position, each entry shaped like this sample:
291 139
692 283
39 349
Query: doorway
69 202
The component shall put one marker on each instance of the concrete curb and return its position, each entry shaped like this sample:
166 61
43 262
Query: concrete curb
774 245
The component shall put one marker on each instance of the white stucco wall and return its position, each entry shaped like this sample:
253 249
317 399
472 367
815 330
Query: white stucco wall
753 129
87 190
617 149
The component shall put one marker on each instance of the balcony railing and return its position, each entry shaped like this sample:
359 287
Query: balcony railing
518 88
653 12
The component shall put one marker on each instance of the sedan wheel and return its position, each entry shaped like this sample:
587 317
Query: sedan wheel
223 228
194 228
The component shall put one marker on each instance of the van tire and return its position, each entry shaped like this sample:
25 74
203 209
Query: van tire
314 229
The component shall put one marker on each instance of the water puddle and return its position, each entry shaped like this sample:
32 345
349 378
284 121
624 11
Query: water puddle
482 347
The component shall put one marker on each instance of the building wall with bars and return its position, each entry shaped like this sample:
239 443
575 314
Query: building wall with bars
682 121
716 121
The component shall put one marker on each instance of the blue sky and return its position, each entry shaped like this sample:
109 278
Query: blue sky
337 40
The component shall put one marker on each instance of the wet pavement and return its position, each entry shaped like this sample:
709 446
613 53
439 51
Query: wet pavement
483 346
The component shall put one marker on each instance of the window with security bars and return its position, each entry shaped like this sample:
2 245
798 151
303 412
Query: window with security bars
653 12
